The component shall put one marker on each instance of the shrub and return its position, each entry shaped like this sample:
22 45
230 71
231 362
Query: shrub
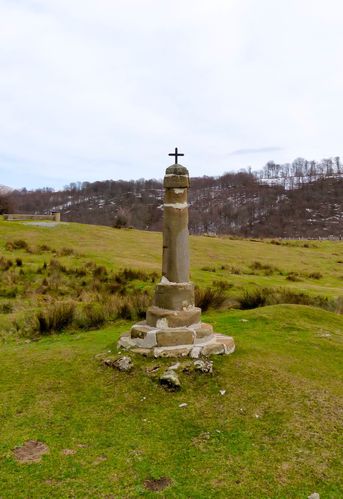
294 277
253 299
6 307
44 247
92 315
209 297
17 244
66 252
208 269
100 272
10 292
56 317
265 267
19 262
126 275
221 284
5 263
55 265
315 275
273 296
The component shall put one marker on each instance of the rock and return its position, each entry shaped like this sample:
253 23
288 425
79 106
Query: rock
183 405
213 349
126 342
170 380
174 367
122 364
204 366
222 392
203 330
195 352
315 495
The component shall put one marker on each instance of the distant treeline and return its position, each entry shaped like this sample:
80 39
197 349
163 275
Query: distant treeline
301 199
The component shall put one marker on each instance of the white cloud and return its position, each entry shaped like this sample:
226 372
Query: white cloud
105 89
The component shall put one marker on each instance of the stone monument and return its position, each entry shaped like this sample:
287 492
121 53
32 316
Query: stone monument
173 326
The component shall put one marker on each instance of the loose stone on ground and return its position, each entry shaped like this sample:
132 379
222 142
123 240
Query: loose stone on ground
170 380
123 364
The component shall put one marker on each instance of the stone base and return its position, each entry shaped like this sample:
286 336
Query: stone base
193 341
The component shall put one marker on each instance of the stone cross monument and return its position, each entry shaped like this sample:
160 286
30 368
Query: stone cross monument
173 326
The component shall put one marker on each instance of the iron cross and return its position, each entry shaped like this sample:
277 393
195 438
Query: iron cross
176 154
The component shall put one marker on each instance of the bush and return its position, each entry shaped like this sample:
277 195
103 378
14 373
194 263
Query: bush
56 317
6 307
209 297
19 262
265 267
126 275
44 247
5 264
208 269
253 299
294 277
66 252
273 296
92 315
17 244
315 275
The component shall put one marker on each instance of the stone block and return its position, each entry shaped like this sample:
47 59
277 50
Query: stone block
125 342
204 330
180 351
174 318
171 181
174 337
228 342
213 349
174 296
149 340
140 331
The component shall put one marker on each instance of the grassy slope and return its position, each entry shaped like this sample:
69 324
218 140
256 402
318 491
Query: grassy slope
140 249
287 370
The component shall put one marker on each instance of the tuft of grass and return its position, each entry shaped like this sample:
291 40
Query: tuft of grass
56 317
315 275
17 244
261 297
209 297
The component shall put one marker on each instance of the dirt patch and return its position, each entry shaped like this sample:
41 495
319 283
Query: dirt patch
158 484
30 452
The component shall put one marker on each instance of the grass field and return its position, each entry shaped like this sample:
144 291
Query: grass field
277 430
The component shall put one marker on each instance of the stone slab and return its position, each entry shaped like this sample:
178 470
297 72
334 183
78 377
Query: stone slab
174 318
140 330
179 351
203 330
174 296
174 337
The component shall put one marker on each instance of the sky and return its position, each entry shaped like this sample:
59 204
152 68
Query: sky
105 89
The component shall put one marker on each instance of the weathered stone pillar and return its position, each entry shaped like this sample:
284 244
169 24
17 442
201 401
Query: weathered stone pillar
173 324
175 264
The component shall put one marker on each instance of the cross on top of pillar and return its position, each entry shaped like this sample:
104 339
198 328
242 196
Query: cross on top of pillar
176 154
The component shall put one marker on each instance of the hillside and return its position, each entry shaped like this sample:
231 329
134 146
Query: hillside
237 204
276 432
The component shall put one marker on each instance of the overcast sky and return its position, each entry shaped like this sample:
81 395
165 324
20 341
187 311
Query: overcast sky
100 89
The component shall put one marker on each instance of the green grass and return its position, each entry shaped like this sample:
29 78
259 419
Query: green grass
277 431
